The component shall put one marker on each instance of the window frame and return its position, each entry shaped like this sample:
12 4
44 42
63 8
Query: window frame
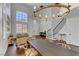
22 23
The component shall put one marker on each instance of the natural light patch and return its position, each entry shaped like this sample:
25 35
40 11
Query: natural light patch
21 16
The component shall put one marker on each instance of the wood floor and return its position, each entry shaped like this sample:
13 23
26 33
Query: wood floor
11 51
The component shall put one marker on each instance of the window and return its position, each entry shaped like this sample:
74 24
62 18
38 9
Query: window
21 16
21 22
19 28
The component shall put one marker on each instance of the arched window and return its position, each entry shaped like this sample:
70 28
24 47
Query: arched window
21 22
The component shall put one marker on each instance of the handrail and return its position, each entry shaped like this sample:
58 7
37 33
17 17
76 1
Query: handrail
49 29
55 27
64 19
58 24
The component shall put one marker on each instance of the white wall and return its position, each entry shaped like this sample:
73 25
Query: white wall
45 25
71 28
4 33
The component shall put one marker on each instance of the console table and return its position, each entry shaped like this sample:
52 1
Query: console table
43 34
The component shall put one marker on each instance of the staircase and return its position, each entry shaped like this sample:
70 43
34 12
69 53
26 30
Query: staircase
54 30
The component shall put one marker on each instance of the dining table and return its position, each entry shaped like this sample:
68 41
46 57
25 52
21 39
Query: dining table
46 48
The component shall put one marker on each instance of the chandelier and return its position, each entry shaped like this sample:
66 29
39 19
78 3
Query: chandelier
63 7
